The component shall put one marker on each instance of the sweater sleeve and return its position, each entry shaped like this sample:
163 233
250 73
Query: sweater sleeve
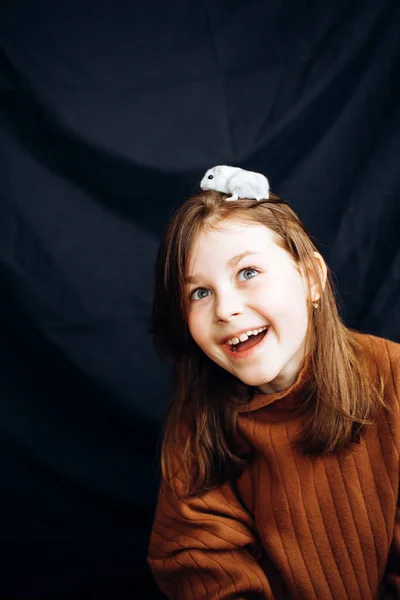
393 570
393 576
205 548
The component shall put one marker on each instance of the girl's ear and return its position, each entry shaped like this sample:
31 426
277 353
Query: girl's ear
317 283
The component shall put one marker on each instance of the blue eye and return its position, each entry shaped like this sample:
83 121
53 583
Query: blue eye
247 273
199 294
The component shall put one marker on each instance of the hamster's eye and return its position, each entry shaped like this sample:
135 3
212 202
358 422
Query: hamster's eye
211 177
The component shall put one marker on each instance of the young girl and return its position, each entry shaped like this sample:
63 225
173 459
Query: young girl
280 458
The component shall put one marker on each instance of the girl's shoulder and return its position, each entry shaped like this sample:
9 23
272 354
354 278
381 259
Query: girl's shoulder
382 349
382 356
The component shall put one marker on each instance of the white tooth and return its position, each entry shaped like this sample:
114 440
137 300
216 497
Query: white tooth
235 340
230 342
243 337
249 333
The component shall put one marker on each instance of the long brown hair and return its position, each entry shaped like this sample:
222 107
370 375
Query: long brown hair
202 413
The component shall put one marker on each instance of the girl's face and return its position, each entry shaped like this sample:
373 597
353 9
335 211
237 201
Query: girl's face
242 287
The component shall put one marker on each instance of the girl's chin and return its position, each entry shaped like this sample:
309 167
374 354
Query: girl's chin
268 383
261 383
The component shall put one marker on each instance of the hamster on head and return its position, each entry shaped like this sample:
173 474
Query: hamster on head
237 182
217 178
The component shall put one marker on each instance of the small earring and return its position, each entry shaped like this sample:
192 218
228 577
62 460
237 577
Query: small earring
315 304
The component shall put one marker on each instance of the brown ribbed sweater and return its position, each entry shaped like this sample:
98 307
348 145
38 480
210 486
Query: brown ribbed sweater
291 527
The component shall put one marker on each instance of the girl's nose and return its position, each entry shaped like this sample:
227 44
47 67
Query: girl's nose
227 306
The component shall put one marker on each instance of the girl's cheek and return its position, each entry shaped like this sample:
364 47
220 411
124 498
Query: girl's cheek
195 307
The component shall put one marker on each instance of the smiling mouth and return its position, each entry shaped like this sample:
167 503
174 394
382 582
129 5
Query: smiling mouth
252 341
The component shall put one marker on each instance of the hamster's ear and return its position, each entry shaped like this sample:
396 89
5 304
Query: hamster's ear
317 280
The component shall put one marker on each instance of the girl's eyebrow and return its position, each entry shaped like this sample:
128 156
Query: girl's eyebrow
190 279
231 263
235 259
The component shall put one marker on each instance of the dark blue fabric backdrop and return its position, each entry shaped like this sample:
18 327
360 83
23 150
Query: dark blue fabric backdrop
110 112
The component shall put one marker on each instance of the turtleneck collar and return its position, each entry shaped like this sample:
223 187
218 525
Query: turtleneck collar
286 400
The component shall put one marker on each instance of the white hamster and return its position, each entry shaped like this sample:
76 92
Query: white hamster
237 182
